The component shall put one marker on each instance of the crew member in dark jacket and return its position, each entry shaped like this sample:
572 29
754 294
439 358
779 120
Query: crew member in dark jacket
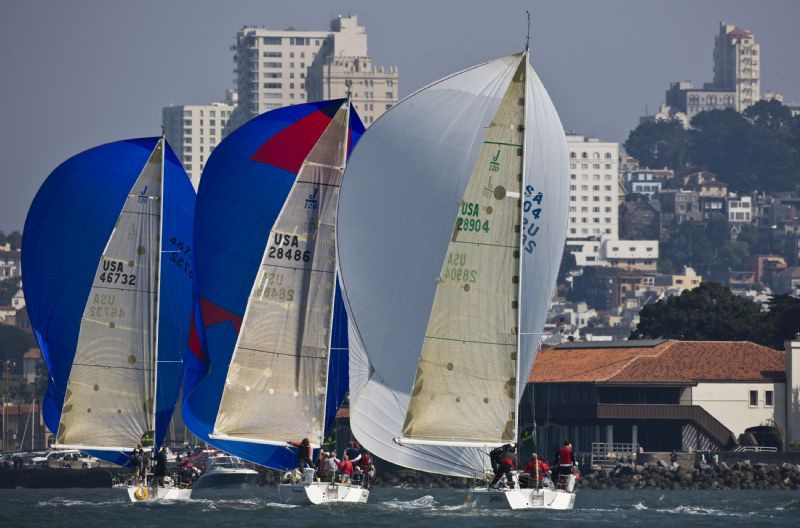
504 460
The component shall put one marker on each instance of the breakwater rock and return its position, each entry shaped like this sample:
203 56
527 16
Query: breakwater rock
740 475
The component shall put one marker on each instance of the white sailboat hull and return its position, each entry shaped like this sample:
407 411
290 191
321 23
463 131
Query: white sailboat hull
147 494
521 499
322 493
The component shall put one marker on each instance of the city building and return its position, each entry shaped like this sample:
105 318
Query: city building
679 206
663 395
594 202
645 181
737 58
683 97
605 287
680 282
31 360
640 220
10 262
630 254
276 68
18 300
194 130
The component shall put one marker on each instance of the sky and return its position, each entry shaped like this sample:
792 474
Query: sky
80 73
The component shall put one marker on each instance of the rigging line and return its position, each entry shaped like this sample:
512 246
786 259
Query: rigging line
110 366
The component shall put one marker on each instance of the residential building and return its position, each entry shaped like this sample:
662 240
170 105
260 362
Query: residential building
640 220
683 97
194 130
605 288
766 267
680 206
18 300
737 58
788 281
276 68
740 209
10 262
630 254
663 395
594 202
678 283
31 360
645 181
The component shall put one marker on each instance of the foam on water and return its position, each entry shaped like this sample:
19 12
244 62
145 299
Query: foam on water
424 502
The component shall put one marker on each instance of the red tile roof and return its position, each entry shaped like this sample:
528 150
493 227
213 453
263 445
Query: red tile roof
669 362
740 33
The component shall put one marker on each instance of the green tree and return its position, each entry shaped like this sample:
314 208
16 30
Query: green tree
771 115
13 344
709 312
659 144
783 318
14 238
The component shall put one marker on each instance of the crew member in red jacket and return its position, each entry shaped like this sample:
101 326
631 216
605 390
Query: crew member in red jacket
345 466
536 468
566 459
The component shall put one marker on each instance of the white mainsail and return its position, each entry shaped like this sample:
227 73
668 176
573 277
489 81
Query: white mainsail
428 155
109 402
276 385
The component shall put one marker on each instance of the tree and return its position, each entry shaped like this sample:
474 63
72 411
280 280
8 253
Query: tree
13 344
709 312
771 115
14 238
783 318
659 144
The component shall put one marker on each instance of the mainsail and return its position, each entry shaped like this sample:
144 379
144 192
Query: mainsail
270 330
105 316
442 329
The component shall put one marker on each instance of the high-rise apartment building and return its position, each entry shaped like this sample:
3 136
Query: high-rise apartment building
194 130
737 64
593 222
277 68
593 196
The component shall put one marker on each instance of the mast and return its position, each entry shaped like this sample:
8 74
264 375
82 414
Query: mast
521 234
345 142
161 143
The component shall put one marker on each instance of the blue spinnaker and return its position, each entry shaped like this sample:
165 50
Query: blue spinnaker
243 188
67 228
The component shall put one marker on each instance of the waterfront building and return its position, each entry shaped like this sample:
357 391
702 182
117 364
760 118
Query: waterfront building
660 395
276 68
194 130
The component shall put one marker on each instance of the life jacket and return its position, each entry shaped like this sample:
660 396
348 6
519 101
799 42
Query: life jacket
496 454
565 456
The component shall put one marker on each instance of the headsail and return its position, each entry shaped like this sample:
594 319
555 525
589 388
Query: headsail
258 184
277 379
426 153
97 315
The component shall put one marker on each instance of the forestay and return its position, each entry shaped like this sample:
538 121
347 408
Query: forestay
276 384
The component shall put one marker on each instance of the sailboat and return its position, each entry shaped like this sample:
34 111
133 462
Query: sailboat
269 363
451 226
107 265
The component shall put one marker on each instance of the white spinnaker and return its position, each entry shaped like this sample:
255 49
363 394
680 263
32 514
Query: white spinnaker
109 402
465 387
401 187
276 385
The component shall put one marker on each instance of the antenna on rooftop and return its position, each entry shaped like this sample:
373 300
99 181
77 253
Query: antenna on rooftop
528 35
349 84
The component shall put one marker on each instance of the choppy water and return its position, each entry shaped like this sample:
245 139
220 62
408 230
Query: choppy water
399 508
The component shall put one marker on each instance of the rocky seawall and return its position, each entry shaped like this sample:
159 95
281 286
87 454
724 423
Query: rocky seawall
740 475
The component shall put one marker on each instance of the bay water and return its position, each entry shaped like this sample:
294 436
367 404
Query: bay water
397 508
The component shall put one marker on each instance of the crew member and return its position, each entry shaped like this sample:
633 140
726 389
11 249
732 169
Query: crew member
566 459
353 451
345 467
303 454
536 468
503 462
160 469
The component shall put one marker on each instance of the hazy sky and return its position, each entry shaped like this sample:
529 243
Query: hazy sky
78 73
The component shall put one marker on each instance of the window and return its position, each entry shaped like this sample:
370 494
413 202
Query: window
271 54
272 40
272 85
753 398
272 64
768 398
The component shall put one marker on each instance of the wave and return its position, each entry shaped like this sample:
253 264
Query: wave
424 502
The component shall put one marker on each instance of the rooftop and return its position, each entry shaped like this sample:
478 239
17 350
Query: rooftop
658 362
